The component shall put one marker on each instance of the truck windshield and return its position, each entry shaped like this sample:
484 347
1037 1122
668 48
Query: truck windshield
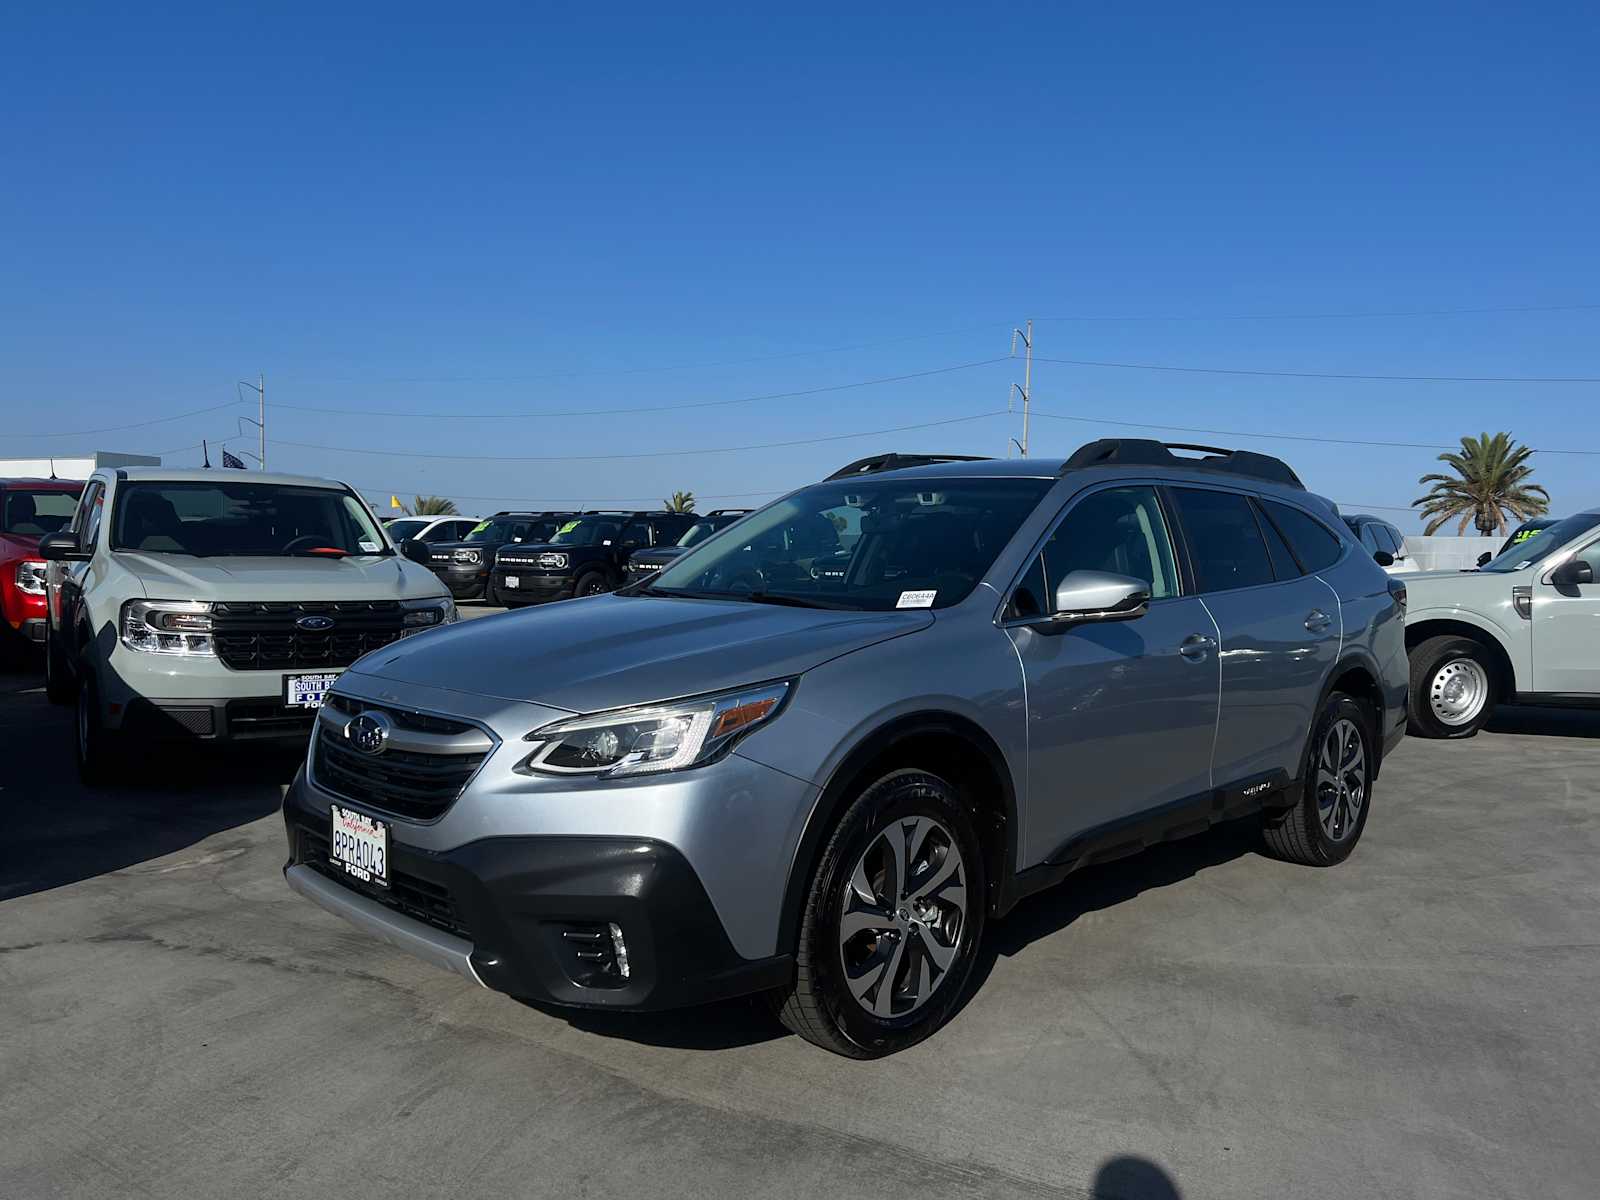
210 519
406 527
590 531
30 513
861 544
511 529
1544 543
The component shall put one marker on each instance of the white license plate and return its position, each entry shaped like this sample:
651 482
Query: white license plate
513 581
307 691
359 844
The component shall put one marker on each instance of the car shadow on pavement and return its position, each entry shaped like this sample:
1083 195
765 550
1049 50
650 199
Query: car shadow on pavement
1545 722
720 1026
57 831
1105 886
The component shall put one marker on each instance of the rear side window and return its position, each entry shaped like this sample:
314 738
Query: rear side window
1225 542
1387 539
1315 547
1283 561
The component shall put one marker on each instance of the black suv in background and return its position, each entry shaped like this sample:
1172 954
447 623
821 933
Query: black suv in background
464 565
646 563
586 556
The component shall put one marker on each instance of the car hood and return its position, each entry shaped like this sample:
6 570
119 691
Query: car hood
179 577
613 651
657 557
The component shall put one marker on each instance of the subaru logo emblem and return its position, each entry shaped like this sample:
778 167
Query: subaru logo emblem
314 623
369 733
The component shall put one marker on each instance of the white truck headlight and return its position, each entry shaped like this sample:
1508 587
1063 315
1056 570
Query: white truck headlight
660 737
423 613
168 627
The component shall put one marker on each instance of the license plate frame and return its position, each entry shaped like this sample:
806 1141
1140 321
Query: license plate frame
513 581
297 693
358 845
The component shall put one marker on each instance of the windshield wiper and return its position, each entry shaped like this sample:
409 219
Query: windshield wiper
790 601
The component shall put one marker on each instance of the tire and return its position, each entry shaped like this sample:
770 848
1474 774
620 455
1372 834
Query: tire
897 942
1327 820
58 683
591 583
1454 682
96 748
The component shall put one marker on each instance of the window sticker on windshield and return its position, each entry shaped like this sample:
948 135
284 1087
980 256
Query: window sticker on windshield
568 526
368 547
916 599
1527 562
478 528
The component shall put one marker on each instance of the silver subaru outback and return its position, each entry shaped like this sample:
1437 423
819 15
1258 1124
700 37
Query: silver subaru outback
817 753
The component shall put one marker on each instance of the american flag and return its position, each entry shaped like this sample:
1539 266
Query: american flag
229 460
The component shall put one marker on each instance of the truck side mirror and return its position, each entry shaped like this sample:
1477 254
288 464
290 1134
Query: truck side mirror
1383 558
416 550
62 547
1569 574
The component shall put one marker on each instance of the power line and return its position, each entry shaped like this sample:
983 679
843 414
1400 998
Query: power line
136 425
838 437
1125 366
1345 316
704 366
603 412
1282 437
576 500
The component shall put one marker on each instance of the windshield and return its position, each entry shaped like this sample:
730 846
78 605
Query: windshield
250 519
588 531
30 513
1549 539
406 527
697 533
863 545
512 529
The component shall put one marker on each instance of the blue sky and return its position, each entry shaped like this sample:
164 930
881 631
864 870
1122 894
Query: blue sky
535 208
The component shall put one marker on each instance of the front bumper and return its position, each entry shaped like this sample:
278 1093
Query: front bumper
156 698
533 586
465 580
514 913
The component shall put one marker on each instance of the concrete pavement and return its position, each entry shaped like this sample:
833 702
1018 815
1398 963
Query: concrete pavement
1198 1022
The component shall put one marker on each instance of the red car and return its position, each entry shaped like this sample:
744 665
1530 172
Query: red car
29 509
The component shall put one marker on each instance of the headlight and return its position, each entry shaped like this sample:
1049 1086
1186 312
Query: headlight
468 556
30 576
422 613
168 627
643 741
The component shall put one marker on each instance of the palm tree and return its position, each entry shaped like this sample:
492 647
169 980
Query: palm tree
433 506
1490 480
680 502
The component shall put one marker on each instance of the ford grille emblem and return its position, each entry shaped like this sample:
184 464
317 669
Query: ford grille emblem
369 733
314 624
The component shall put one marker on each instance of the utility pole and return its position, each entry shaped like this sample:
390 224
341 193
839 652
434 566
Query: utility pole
261 425
1027 380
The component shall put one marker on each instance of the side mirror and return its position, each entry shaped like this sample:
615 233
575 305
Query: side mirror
1569 574
416 550
1383 558
62 547
1100 596
1485 559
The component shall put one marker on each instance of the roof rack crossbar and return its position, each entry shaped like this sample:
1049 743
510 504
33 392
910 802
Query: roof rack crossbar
872 464
1147 452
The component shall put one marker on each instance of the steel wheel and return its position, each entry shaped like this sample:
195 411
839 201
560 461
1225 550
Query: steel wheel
1341 779
904 912
1458 691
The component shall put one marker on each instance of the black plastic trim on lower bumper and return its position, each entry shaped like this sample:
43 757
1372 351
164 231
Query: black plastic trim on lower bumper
206 720
33 628
514 898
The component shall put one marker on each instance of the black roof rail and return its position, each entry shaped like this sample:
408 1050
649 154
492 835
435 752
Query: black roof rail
725 512
894 462
1146 452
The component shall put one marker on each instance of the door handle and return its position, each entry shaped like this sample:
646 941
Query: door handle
1196 646
1317 620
